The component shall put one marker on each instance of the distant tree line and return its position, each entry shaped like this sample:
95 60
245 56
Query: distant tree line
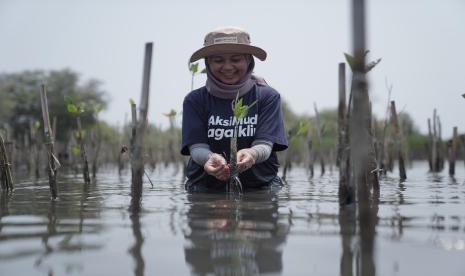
20 110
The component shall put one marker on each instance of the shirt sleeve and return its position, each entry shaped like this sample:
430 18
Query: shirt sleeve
194 123
270 125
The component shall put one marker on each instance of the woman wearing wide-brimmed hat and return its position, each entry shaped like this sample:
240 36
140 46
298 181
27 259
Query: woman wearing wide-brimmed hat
207 124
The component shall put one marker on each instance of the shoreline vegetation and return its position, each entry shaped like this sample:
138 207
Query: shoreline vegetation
21 117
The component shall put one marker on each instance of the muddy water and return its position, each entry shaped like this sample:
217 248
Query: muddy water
415 228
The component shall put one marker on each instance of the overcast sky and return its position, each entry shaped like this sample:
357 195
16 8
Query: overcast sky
421 43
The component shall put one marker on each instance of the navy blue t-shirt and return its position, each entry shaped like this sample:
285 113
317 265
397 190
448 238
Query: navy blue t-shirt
208 119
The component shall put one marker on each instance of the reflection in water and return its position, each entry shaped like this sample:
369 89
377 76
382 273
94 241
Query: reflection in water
136 249
234 236
358 223
60 221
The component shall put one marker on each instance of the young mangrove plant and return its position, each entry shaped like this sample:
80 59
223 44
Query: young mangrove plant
299 130
77 109
240 110
172 140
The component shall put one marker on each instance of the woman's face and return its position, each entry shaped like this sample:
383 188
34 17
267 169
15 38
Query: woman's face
228 68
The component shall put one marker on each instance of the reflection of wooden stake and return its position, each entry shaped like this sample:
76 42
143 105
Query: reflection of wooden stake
398 133
52 169
453 152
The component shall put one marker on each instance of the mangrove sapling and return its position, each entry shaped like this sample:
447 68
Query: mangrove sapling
320 139
96 140
77 109
172 140
240 110
300 130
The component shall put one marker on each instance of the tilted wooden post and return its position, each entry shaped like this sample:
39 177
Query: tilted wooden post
49 137
137 161
398 133
453 152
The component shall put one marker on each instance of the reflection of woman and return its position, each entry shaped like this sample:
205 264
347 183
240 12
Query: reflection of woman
234 238
208 119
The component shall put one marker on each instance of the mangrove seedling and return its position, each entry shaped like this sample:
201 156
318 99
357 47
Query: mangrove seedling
240 110
77 109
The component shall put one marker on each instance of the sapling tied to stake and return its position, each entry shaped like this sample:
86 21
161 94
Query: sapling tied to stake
77 109
240 110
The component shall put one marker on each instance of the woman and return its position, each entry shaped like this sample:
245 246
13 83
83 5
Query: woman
207 124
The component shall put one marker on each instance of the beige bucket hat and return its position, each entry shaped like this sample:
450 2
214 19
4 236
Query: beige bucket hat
227 40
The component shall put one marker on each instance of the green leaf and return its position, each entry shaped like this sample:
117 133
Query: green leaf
68 100
194 68
171 113
82 107
72 108
239 109
349 59
463 95
98 108
36 125
303 128
75 150
371 65
131 101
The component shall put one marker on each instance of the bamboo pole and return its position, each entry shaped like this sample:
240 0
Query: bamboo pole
434 153
320 139
342 110
398 133
343 154
453 152
52 168
5 167
360 140
440 146
137 162
430 147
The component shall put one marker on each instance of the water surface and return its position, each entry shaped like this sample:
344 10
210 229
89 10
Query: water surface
417 228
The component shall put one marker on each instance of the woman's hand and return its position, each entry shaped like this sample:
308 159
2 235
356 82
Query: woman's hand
217 166
246 159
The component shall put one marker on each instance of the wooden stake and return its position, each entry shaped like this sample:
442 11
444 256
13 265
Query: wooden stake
453 152
430 147
5 167
52 161
137 161
398 133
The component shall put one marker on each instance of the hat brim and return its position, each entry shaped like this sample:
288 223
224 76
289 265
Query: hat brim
227 48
